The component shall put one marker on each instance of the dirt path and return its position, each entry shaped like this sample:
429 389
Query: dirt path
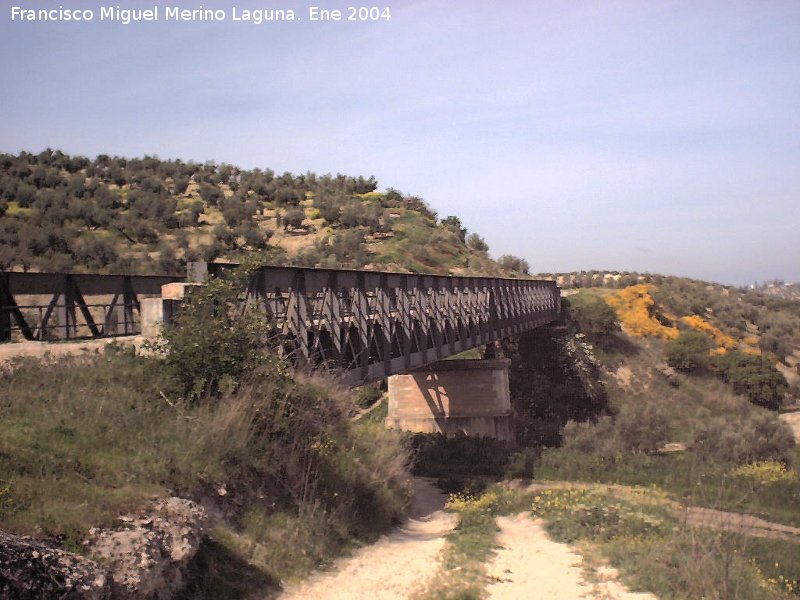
793 420
747 524
13 350
396 566
530 565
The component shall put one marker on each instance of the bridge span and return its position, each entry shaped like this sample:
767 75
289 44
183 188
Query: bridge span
370 325
366 324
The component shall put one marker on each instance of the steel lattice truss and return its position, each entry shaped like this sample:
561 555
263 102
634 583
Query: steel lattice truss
370 325
64 306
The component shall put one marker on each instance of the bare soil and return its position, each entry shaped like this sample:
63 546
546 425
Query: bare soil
397 566
793 420
530 565
13 350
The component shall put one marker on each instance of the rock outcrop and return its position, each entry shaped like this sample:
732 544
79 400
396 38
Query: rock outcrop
144 557
32 569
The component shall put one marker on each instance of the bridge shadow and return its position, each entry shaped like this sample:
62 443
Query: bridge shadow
437 399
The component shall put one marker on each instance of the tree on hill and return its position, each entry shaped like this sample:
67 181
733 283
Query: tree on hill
514 264
130 203
293 217
454 224
329 207
476 242
211 194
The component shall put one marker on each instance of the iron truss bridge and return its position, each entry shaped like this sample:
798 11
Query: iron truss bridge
366 324
369 325
65 306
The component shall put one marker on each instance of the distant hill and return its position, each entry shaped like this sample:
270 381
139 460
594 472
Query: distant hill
750 321
767 317
151 216
780 289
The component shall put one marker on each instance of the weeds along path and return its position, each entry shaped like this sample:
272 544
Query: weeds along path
396 566
697 516
528 564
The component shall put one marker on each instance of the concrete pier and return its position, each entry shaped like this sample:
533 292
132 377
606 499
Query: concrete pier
451 396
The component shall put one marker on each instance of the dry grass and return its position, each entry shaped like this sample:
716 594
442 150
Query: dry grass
84 439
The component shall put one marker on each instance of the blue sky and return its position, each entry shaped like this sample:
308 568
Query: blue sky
648 136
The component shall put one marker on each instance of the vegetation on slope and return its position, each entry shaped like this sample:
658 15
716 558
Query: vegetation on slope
764 317
150 216
277 456
597 405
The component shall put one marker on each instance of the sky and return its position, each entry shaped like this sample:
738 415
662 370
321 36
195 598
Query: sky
650 136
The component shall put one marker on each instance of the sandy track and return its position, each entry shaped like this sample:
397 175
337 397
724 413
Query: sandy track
26 349
530 565
739 523
793 420
398 565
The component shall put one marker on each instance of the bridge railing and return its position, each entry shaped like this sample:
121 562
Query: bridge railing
370 325
63 306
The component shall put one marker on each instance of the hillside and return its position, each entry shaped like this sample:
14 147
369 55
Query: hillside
151 216
762 319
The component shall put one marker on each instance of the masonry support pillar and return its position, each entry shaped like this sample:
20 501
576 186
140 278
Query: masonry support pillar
154 312
452 396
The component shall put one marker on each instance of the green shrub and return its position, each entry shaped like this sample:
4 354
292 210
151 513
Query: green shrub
435 454
736 440
754 376
592 315
643 427
521 464
688 352
213 342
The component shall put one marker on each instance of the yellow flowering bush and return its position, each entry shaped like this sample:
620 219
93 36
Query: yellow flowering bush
636 311
696 322
766 472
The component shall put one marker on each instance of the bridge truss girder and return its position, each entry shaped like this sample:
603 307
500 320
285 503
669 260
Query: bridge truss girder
369 325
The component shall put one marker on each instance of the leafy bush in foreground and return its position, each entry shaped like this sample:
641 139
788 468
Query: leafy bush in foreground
213 341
